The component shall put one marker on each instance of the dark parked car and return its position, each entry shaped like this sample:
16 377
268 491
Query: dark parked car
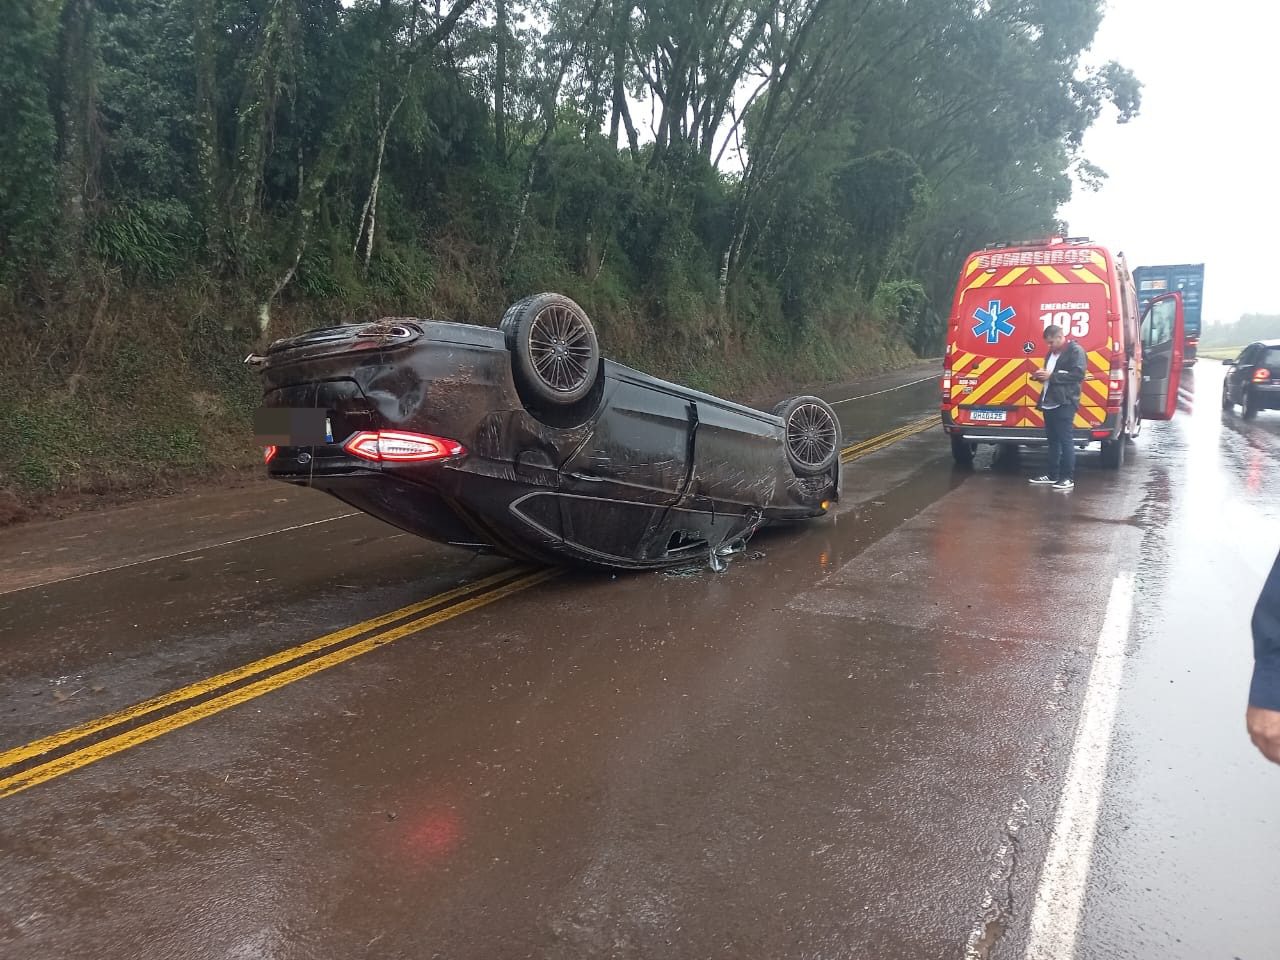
522 439
1253 380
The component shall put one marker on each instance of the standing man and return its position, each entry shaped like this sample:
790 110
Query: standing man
1063 372
1263 716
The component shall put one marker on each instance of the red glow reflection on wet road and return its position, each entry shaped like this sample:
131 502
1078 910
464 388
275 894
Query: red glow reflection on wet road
435 835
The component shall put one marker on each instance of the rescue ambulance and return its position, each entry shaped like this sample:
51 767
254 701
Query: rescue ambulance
1007 295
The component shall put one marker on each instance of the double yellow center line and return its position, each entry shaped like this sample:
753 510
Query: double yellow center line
39 761
92 741
859 450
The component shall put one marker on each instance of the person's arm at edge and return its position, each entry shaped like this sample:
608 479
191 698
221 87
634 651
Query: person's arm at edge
1263 716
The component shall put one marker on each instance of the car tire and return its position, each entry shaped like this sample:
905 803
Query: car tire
811 435
963 451
1226 398
1113 453
1248 405
554 350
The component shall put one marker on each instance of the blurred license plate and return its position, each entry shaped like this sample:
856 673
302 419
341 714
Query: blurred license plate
292 426
988 416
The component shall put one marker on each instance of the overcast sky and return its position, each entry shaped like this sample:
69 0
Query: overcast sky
1196 177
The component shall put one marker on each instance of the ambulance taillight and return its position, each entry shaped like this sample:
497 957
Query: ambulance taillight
1115 390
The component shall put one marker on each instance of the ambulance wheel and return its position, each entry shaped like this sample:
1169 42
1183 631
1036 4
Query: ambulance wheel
1113 453
962 450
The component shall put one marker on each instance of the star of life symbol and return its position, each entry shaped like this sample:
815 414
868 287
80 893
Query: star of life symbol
993 322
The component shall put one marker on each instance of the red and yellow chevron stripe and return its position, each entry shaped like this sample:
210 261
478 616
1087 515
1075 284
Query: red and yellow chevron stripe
987 382
1094 271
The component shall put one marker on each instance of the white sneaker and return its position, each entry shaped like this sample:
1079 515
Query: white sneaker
1042 479
1064 485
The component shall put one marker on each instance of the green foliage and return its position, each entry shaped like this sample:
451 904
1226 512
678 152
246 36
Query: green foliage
246 139
150 240
49 441
169 444
905 304
28 138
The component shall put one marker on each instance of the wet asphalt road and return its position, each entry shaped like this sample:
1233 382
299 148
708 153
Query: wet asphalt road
853 743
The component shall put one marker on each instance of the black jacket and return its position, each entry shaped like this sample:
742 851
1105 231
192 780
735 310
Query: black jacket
1068 374
1265 690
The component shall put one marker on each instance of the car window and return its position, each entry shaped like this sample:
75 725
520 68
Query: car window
1271 358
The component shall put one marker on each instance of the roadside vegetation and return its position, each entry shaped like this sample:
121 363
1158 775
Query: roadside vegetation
1220 353
740 192
1224 341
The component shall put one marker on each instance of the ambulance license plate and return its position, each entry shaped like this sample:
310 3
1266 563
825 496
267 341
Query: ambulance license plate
988 416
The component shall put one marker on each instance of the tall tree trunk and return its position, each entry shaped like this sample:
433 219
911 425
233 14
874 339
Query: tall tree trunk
307 205
311 190
549 125
369 216
500 82
621 113
253 118
80 132
204 43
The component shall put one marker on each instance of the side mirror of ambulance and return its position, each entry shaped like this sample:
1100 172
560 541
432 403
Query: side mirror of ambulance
1163 339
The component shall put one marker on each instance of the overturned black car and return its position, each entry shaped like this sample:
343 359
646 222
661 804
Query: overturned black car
523 440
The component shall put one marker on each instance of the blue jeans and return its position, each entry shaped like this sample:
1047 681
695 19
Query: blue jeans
1059 427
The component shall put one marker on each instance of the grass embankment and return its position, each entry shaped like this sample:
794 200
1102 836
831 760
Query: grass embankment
114 394
1218 353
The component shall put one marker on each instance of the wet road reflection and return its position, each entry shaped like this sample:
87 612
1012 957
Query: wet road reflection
1190 833
850 743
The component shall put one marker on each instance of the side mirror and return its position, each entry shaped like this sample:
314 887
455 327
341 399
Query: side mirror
1229 363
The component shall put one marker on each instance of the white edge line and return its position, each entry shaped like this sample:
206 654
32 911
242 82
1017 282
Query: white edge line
888 390
180 553
1059 897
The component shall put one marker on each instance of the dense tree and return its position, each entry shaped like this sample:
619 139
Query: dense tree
696 157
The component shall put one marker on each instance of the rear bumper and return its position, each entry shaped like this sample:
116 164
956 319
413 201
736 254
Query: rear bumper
1110 429
1266 396
1022 438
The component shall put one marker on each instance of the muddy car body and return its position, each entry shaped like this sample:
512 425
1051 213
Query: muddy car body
446 431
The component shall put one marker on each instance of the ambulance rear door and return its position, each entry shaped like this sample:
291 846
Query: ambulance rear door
997 338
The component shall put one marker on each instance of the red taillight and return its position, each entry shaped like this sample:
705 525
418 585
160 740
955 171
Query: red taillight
269 453
1261 375
399 446
1115 390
